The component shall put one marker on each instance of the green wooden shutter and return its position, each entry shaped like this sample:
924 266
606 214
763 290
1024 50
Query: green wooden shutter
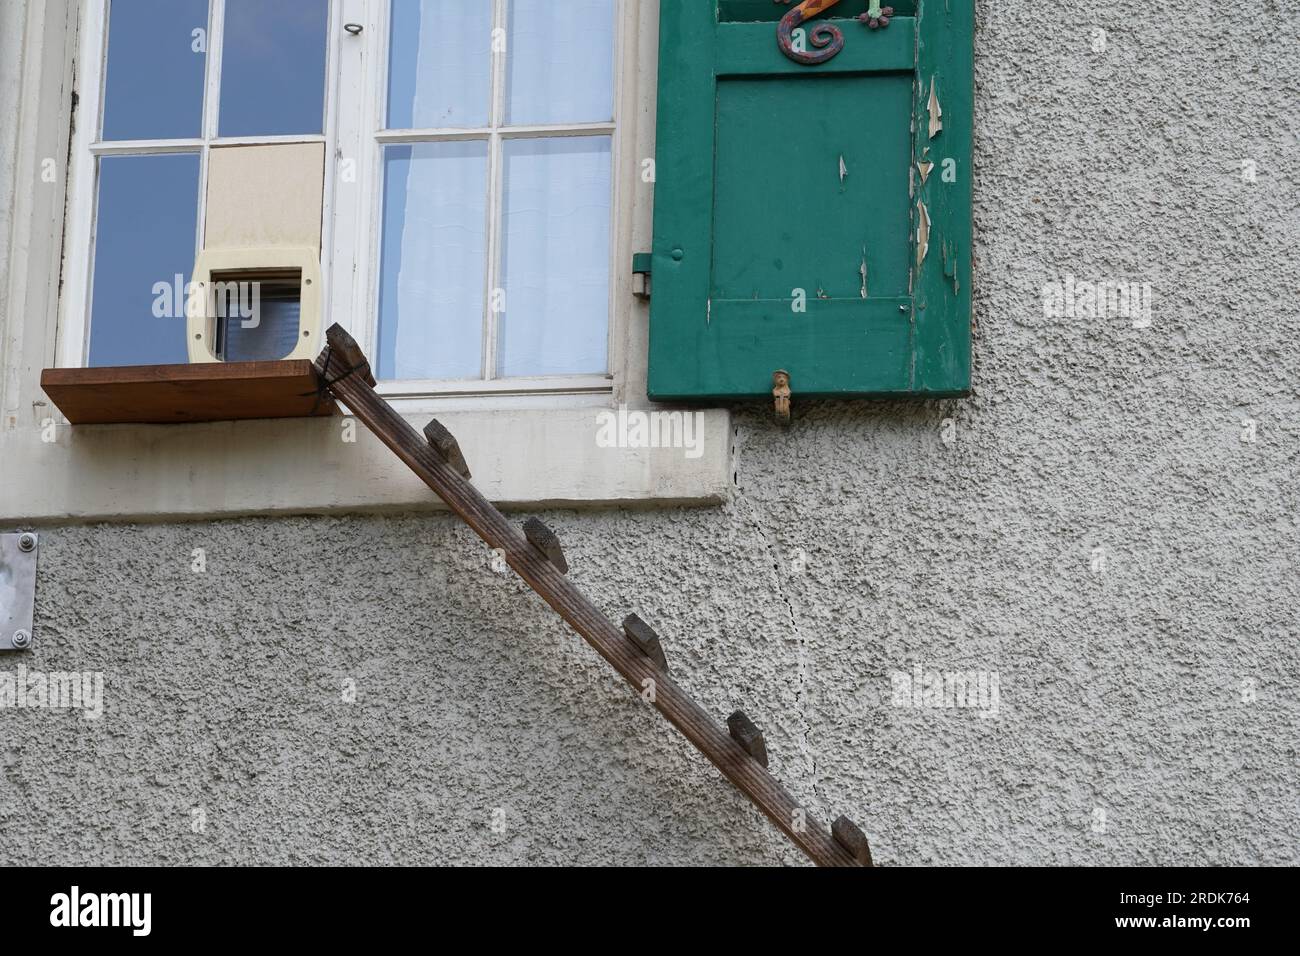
752 203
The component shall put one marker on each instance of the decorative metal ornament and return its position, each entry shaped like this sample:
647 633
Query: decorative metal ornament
877 17
826 39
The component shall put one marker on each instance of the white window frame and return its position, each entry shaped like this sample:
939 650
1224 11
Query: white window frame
352 210
73 342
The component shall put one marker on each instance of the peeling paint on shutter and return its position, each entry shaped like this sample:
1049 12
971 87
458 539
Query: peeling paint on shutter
792 231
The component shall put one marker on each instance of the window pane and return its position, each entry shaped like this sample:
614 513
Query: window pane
561 62
153 88
439 63
433 261
555 260
144 252
273 68
257 318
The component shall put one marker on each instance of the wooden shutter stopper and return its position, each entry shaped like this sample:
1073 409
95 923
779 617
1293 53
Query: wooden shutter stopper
748 736
544 540
848 835
781 393
643 636
448 449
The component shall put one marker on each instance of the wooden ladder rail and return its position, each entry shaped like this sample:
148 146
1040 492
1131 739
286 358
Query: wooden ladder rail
344 372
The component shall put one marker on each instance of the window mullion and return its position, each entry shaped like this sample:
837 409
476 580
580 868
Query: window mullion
212 91
496 120
211 109
492 273
371 173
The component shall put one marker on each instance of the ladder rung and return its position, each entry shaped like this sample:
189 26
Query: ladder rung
445 444
748 736
545 541
848 835
643 636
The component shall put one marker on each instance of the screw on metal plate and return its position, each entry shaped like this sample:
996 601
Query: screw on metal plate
17 590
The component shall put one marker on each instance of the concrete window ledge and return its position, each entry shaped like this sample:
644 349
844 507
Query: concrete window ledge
520 458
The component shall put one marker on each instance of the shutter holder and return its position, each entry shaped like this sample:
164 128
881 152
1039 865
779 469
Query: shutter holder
781 395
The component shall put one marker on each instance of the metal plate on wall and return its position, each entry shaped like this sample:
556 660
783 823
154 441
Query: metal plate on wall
17 590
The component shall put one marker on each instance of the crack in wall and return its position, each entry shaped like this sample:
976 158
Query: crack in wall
756 520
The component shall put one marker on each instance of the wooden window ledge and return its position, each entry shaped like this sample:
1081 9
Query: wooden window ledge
179 394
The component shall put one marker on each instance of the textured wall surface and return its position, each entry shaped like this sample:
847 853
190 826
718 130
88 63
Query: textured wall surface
1096 527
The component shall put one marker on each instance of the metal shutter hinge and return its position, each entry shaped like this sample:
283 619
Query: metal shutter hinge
641 263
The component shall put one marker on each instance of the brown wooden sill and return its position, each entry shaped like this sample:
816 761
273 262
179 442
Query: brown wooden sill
179 394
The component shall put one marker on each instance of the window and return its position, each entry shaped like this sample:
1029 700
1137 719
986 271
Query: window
493 223
180 84
530 438
449 165
497 197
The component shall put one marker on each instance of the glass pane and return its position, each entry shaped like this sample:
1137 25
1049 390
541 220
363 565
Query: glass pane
257 318
433 261
439 63
561 62
157 54
555 259
144 252
273 68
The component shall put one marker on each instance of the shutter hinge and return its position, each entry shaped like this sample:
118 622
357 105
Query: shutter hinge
641 263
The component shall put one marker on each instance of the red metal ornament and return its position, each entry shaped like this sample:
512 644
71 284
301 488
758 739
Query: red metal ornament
826 39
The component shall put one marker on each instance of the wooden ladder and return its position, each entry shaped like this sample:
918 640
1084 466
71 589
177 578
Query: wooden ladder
633 650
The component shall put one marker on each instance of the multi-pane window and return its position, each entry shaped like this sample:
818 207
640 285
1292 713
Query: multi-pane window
496 199
181 79
466 204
